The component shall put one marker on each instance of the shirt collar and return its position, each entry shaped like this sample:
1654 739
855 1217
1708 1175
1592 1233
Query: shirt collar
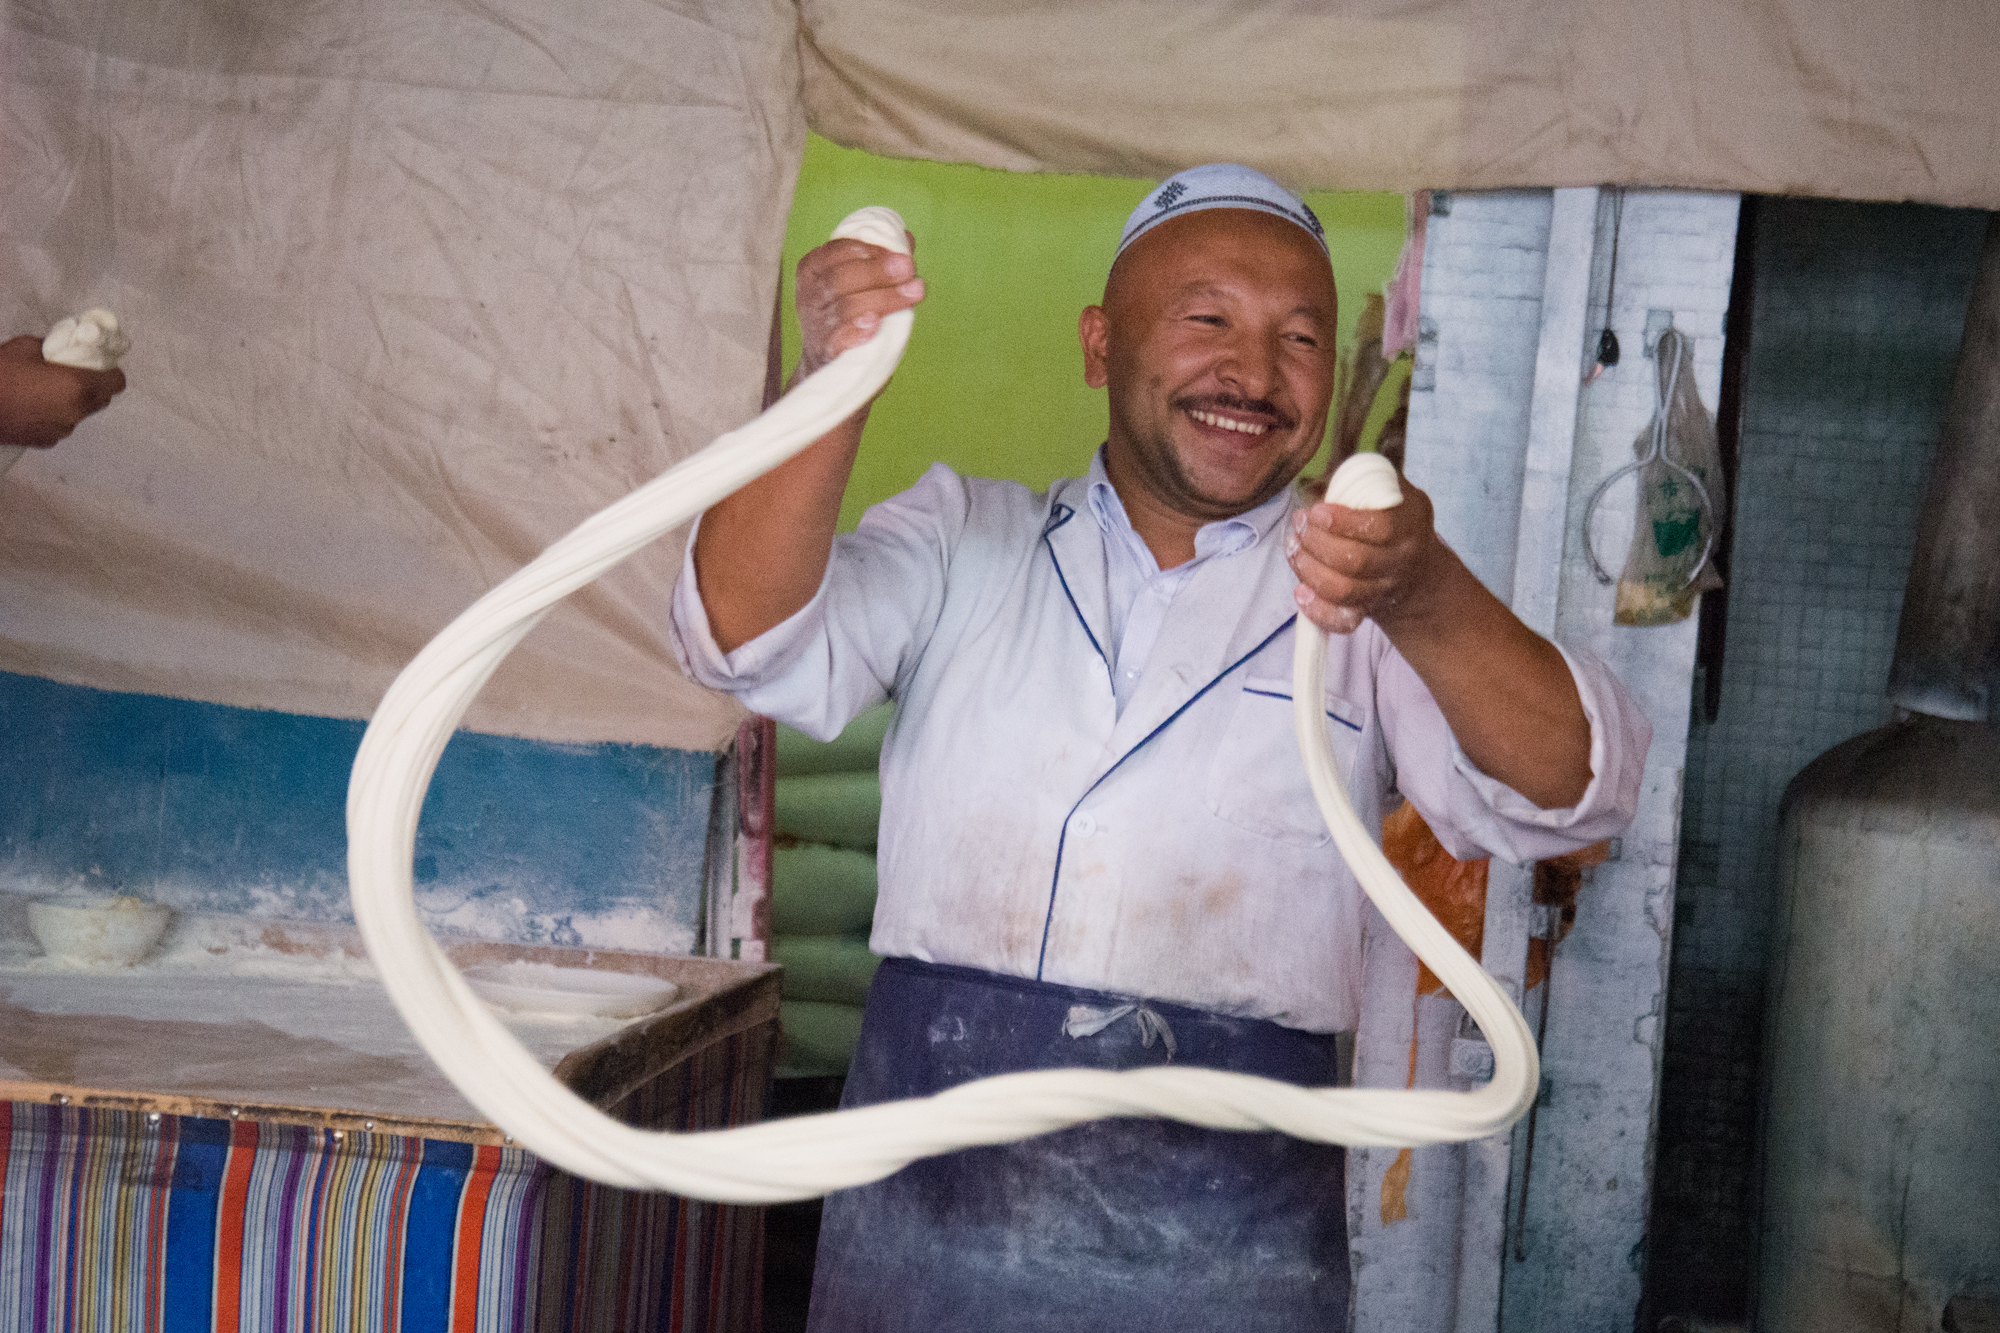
1227 536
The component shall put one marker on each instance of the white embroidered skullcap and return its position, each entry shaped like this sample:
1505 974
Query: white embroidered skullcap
1219 185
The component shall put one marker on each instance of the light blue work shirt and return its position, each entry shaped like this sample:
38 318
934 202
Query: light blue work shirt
1158 840
1138 591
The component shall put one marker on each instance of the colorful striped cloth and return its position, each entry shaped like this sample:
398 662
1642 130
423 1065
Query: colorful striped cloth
116 1220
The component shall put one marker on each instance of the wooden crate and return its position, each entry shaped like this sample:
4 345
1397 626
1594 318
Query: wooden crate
154 1181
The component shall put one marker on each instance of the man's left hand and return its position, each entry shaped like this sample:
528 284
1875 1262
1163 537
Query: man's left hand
1505 690
1354 564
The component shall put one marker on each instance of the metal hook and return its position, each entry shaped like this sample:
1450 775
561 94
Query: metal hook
1656 452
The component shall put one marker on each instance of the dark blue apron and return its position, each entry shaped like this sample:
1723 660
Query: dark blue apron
1117 1226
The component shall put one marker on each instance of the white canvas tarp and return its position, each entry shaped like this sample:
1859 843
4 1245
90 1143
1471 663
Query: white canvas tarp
417 286
414 287
1855 99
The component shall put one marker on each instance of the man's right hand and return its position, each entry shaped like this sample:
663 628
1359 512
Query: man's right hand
41 402
759 554
845 289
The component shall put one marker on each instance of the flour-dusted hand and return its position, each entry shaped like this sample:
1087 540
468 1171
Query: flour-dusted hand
1507 692
761 552
1355 564
40 401
845 289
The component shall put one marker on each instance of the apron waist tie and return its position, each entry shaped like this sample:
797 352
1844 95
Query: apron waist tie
1087 1020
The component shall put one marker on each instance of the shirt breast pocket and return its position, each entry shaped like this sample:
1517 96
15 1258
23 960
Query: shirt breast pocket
1258 780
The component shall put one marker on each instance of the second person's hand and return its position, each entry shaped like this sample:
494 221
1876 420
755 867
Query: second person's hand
41 402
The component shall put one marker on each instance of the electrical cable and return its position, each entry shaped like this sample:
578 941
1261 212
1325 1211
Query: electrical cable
1607 340
810 1155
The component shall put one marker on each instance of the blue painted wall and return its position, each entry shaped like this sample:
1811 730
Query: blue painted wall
217 809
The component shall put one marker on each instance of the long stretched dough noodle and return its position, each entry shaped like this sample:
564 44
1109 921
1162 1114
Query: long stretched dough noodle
811 1155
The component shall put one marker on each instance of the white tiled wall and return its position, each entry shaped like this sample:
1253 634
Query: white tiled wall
1486 270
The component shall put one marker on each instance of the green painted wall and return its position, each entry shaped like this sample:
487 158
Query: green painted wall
993 380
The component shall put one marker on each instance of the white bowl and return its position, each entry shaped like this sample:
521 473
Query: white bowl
114 932
579 992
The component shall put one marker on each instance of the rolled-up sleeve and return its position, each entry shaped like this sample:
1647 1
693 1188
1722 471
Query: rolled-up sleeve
845 649
753 663
1476 815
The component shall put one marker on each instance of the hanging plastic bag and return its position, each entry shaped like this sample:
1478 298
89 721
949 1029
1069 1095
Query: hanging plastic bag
1681 499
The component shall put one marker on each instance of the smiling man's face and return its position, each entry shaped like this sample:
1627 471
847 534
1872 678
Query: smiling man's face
1216 342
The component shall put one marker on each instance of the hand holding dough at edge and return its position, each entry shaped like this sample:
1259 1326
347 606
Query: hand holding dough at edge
42 402
760 554
1505 690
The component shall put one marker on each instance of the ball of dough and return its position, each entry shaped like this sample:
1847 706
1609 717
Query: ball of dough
89 341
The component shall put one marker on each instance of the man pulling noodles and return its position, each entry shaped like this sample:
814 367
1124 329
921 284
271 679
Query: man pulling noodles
1098 847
